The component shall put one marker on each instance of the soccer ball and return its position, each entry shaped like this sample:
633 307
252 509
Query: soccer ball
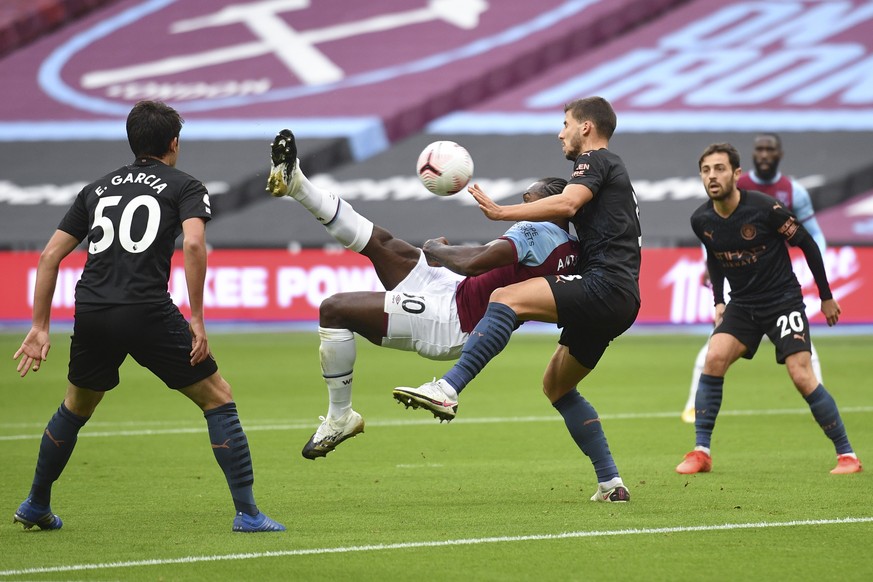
444 167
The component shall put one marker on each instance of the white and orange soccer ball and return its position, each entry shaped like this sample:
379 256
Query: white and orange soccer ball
444 167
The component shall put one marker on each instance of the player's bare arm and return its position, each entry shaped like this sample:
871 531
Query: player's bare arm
36 344
194 248
719 313
563 205
831 310
470 260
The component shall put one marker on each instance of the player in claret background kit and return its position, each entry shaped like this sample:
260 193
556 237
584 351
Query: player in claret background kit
434 296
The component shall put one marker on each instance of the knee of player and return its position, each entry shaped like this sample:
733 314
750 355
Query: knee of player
716 364
331 312
550 387
504 296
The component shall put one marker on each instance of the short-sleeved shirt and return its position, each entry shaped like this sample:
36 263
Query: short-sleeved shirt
131 218
608 226
749 249
541 248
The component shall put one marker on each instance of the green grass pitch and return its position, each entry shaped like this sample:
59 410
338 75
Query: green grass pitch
501 493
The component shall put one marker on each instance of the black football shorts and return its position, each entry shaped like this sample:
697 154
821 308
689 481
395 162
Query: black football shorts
155 335
592 313
787 327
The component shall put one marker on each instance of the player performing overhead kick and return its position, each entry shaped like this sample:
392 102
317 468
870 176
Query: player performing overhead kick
426 309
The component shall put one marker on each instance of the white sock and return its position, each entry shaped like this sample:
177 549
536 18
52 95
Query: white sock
321 203
816 365
607 485
342 222
703 449
349 228
448 389
695 376
337 352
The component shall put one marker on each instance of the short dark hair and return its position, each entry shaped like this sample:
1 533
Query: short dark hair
151 126
597 110
773 135
722 148
548 186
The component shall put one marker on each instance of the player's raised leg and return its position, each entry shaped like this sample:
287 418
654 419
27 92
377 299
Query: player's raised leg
528 300
392 258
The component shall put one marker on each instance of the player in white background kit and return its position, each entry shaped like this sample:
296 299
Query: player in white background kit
767 178
435 296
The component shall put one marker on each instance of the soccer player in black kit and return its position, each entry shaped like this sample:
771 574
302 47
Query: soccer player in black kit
744 233
594 306
131 219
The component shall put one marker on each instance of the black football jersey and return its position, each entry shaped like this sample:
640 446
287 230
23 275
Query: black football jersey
608 226
748 248
131 218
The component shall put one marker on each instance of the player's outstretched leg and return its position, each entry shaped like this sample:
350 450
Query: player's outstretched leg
57 444
487 339
348 227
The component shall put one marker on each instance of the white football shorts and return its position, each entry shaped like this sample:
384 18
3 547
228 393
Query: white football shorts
423 315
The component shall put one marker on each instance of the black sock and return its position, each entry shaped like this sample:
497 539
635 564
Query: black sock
585 428
231 449
827 415
706 406
58 440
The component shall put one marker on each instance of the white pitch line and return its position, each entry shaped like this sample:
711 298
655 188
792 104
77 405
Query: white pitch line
305 425
434 544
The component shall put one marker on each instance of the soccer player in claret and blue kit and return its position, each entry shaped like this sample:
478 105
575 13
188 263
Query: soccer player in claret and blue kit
131 219
435 295
744 233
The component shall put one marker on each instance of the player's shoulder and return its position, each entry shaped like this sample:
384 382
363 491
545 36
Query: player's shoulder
701 211
756 198
110 176
541 228
745 181
605 156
